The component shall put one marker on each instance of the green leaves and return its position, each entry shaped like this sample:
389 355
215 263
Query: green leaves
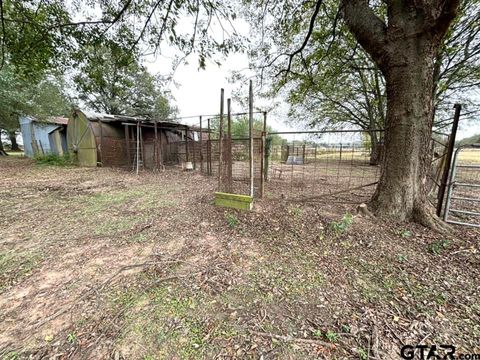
111 80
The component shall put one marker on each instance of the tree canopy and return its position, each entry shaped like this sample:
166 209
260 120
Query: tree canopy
111 80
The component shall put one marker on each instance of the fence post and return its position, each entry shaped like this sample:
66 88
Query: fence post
138 146
229 147
250 134
220 140
101 143
155 146
448 160
186 144
262 159
209 150
127 142
201 146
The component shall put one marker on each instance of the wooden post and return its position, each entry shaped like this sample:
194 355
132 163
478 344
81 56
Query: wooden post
250 134
201 146
229 146
303 154
138 145
220 140
186 144
448 160
209 150
142 147
262 160
155 145
194 154
127 143
101 142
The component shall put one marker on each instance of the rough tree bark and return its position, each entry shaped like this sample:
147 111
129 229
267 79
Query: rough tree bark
13 140
405 51
2 150
376 151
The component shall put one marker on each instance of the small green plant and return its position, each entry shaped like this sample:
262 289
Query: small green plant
406 234
363 354
402 258
331 336
441 299
297 212
341 226
317 333
12 355
232 220
71 338
346 328
438 246
54 160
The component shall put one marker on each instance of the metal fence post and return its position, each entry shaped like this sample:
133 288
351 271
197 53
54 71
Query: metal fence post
448 160
220 140
250 135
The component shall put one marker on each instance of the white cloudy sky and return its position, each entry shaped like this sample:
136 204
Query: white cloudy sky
198 91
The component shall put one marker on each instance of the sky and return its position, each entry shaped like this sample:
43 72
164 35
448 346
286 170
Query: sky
197 91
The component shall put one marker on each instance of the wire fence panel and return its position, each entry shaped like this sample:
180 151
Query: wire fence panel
463 200
235 163
329 164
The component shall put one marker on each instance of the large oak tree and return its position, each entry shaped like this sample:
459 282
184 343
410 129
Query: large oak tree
404 48
403 38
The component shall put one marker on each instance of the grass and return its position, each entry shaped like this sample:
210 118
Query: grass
341 226
54 160
469 156
164 321
438 246
14 266
232 220
280 272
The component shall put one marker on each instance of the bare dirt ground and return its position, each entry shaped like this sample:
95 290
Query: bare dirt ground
100 263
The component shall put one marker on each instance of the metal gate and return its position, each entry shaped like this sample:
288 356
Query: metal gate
463 199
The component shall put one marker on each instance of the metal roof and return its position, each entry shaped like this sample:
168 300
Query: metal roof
93 116
56 120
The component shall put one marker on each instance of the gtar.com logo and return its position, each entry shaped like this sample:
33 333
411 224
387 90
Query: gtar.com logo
426 352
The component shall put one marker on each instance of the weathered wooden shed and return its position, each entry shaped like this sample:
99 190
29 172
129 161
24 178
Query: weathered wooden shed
44 136
117 140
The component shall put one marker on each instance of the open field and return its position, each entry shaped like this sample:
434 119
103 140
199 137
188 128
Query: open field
100 263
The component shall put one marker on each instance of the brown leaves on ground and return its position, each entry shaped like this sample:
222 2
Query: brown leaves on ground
99 263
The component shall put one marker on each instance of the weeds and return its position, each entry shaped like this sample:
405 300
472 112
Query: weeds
232 220
343 225
54 160
71 338
363 354
331 336
406 234
438 246
297 212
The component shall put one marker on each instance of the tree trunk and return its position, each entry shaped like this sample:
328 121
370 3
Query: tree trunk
2 151
376 150
401 192
404 47
13 141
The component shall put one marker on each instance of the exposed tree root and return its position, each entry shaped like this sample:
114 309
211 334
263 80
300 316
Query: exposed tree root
425 215
422 213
